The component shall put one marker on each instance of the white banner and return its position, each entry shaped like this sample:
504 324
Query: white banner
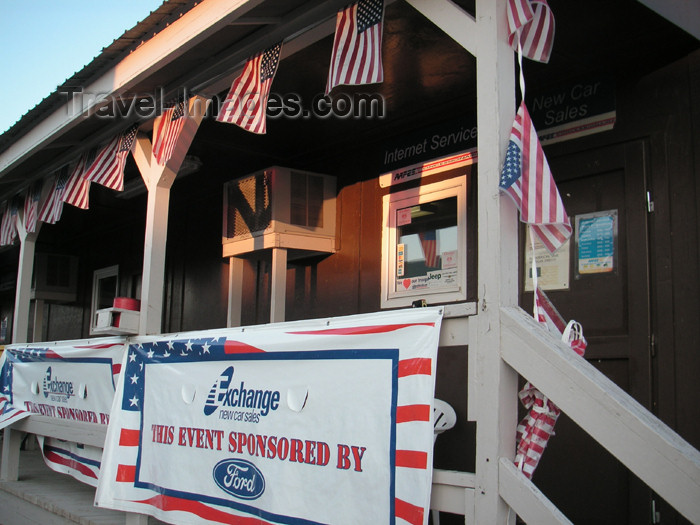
323 421
68 381
71 380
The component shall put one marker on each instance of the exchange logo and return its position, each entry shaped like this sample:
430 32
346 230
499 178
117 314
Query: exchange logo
54 387
223 394
240 478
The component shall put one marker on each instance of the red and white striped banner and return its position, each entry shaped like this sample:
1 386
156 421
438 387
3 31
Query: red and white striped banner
322 421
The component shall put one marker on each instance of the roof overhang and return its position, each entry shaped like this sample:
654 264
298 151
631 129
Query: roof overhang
202 46
144 66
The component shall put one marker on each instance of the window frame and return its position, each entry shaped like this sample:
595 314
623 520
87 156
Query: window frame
97 276
391 203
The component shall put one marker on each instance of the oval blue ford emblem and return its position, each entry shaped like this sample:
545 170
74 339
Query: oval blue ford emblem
239 478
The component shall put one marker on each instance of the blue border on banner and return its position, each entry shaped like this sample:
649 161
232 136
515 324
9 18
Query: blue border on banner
144 354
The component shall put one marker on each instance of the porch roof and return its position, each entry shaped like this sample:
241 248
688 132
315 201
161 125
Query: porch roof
201 46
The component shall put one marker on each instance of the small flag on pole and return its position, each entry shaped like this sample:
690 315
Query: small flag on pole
246 102
108 167
527 179
532 23
357 47
53 206
77 192
167 130
31 207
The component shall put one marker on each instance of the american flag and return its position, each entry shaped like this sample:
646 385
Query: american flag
108 167
537 427
246 102
357 47
167 130
532 23
428 242
8 226
31 207
53 205
77 192
527 179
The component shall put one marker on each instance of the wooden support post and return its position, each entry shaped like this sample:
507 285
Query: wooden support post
158 180
235 289
153 277
496 382
38 325
279 284
9 465
20 323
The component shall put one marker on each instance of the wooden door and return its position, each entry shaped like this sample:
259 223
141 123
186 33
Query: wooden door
612 303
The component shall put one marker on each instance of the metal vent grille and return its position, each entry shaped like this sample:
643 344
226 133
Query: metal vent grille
249 209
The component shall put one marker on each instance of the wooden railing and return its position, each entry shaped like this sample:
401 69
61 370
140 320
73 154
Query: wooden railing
649 448
656 454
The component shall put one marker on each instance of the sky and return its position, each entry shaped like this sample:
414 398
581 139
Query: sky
44 42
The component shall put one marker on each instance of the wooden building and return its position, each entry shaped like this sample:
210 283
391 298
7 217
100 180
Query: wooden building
618 111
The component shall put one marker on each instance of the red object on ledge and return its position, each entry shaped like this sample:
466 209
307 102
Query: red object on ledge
127 303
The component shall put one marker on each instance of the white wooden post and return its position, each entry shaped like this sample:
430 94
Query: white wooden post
38 325
279 285
158 180
20 322
12 440
235 286
496 383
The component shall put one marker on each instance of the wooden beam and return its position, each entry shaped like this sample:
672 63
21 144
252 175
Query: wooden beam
85 433
11 442
279 285
453 492
493 397
235 292
684 13
20 321
526 500
452 19
158 180
642 442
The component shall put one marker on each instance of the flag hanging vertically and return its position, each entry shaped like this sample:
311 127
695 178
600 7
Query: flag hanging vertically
537 427
77 192
357 46
428 243
246 102
527 179
8 226
108 167
31 207
532 23
53 205
167 130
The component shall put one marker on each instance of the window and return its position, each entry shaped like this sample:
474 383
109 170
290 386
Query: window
105 284
424 244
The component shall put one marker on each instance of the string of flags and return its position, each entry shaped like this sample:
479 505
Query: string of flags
356 59
527 179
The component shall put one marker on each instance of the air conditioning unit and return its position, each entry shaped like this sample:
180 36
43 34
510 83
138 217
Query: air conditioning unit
55 277
279 208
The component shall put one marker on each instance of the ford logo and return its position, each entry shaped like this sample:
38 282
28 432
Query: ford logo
239 478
